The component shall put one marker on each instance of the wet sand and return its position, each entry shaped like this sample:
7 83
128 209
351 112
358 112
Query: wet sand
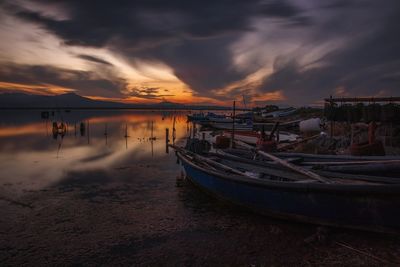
147 217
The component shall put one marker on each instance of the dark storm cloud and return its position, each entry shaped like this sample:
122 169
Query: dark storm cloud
94 59
94 23
192 37
84 82
147 93
204 64
368 64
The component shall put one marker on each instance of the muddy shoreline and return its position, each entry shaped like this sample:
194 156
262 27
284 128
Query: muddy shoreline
150 219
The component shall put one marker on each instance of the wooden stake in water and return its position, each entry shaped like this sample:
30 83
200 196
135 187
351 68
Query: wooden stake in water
47 130
332 122
167 140
152 138
126 136
233 124
88 132
173 131
151 131
105 132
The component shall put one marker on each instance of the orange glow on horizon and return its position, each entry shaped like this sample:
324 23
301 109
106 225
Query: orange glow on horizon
44 89
189 99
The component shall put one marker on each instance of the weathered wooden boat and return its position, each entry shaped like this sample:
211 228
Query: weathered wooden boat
388 166
351 203
222 120
201 117
239 126
251 137
197 117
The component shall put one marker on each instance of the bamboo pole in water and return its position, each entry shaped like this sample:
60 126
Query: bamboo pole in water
167 140
233 125
88 132
105 132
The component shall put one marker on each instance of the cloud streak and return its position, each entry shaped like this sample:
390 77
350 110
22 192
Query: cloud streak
193 39
94 59
147 93
83 82
305 50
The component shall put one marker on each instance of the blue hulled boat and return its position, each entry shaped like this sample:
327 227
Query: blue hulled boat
202 118
369 205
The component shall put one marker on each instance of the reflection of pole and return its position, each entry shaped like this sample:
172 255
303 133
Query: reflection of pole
151 134
126 130
332 123
47 130
105 132
233 125
152 147
173 131
75 128
126 136
88 132
167 140
152 138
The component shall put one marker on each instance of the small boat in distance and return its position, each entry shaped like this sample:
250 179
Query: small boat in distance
279 113
239 126
201 117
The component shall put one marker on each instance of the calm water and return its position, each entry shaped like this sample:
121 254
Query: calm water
32 158
109 196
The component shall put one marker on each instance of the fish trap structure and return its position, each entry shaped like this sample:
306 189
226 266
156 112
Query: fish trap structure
363 109
371 121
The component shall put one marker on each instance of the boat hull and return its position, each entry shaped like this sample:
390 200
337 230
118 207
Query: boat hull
228 126
350 208
251 137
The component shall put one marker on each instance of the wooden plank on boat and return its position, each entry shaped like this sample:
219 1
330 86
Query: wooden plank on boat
328 174
321 157
289 165
209 161
341 163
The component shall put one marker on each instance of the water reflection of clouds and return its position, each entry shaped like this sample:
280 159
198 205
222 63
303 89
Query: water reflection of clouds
32 158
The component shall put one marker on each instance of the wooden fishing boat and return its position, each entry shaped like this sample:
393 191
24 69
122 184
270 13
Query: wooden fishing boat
226 126
388 166
344 202
251 137
197 117
201 117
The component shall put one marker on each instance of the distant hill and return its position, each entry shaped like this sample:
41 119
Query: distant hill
72 101
69 100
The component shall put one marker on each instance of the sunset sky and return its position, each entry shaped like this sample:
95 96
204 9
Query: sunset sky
212 51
